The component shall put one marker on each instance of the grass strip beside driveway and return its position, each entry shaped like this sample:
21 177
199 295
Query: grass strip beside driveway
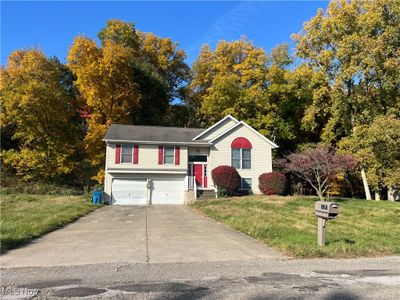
25 217
288 224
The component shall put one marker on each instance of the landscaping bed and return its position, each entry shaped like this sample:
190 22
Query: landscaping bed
288 224
25 216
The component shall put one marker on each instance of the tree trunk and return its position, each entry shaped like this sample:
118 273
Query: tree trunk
390 194
377 196
365 183
320 195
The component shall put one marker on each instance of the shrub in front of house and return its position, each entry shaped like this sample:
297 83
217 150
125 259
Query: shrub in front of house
227 178
273 183
222 193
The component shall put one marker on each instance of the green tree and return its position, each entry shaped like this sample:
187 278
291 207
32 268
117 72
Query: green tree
168 60
266 91
38 102
355 45
120 33
240 79
377 150
229 80
132 78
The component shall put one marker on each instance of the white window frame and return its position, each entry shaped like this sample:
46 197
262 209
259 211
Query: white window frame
173 156
120 155
241 158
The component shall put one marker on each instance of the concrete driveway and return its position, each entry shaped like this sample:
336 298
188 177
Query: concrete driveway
137 234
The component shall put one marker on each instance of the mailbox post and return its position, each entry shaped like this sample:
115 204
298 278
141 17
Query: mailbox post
321 231
325 210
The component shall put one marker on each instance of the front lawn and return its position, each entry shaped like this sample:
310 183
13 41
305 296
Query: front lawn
25 217
363 228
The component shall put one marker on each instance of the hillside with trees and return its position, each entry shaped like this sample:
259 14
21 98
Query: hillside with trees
339 89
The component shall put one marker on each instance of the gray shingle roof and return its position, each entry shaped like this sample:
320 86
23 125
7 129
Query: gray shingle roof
152 133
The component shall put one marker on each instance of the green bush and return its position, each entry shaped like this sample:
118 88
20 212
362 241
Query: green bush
14 185
222 192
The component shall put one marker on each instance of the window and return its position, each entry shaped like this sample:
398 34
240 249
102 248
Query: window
236 158
169 154
198 158
241 153
246 184
126 153
205 170
241 158
246 158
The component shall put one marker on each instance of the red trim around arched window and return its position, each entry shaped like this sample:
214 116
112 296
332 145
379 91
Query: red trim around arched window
242 143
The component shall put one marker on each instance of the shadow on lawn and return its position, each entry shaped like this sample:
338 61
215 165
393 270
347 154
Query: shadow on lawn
346 241
8 244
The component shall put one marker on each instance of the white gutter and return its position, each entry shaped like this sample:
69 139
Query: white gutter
130 171
204 144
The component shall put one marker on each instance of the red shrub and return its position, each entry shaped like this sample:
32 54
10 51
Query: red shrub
226 177
272 183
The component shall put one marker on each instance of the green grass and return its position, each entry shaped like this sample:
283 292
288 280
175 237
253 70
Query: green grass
25 217
288 224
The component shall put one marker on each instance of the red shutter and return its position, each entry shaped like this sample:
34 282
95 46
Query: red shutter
160 155
117 154
135 154
177 155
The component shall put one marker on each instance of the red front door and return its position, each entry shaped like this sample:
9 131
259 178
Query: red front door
198 174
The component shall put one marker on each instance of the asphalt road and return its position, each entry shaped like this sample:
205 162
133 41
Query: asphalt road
368 278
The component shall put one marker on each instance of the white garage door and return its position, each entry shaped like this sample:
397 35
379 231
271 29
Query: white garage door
128 191
167 191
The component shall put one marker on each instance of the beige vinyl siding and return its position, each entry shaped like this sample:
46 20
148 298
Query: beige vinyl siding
199 151
228 123
148 159
261 154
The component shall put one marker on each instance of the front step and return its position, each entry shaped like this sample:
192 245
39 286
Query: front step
205 194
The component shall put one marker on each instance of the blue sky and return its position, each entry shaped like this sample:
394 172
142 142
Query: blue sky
52 26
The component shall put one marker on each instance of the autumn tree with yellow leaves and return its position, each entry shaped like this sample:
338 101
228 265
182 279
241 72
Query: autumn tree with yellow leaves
355 46
243 80
131 78
39 108
341 87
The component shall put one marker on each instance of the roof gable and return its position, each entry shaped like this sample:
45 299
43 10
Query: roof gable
215 127
241 123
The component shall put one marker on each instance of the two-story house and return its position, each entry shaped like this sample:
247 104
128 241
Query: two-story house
168 165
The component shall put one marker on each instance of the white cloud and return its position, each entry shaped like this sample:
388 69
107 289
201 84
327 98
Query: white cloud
228 26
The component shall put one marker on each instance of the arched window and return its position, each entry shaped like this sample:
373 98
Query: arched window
241 153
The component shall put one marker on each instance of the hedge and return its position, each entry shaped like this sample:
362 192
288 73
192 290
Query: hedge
272 183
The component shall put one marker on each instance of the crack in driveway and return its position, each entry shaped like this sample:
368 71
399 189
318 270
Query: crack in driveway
147 239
